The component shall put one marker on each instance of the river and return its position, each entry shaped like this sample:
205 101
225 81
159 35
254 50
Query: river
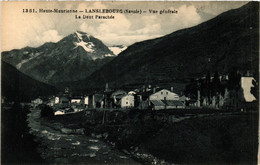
59 148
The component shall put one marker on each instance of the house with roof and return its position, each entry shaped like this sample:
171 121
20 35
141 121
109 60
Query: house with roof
51 102
118 93
96 100
127 101
76 100
239 97
165 99
157 104
173 104
86 101
64 100
117 96
56 100
132 93
159 98
166 104
164 94
246 84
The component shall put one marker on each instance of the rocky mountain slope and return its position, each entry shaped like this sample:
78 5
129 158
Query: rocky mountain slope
228 41
16 86
73 58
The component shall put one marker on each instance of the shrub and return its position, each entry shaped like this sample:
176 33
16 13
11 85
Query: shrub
46 111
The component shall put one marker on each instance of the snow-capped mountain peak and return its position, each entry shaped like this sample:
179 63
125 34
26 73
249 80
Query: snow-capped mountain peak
80 34
91 45
73 58
87 46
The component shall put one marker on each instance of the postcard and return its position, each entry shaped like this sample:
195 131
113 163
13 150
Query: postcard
129 82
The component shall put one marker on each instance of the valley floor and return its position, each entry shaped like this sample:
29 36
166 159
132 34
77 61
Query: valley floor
133 137
215 138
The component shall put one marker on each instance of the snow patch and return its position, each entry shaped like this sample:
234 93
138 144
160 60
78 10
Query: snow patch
87 46
19 65
25 52
79 35
117 49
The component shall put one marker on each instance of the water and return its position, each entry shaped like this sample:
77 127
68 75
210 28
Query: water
57 147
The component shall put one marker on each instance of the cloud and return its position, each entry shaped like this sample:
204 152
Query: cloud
187 16
85 27
23 29
151 25
100 26
110 31
218 7
123 30
20 30
49 36
149 29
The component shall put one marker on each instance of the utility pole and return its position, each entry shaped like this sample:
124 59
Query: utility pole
104 114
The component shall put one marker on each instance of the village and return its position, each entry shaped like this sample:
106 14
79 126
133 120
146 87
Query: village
153 97
132 124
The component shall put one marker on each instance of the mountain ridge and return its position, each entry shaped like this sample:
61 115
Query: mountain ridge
72 58
17 86
230 40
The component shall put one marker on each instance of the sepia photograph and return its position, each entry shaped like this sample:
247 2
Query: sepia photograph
129 82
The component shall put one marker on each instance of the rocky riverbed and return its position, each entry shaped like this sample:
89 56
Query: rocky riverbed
64 145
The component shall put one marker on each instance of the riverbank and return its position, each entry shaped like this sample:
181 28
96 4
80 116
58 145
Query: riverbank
67 144
18 146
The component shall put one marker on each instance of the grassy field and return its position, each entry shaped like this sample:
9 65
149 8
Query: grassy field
187 136
218 139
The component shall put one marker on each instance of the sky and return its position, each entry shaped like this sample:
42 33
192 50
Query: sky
20 29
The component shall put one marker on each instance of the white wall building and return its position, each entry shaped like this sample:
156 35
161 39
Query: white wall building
164 94
246 84
75 100
127 101
56 100
132 93
86 100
